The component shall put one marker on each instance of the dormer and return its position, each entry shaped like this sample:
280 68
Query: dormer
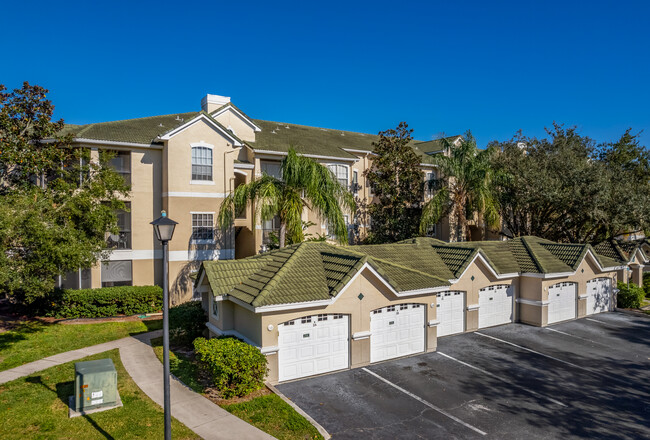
225 112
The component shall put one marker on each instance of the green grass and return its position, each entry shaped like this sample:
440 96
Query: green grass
36 407
33 340
269 413
273 415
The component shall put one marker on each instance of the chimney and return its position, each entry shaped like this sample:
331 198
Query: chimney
212 102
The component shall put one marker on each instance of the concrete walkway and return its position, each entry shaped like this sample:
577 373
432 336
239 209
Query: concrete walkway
201 415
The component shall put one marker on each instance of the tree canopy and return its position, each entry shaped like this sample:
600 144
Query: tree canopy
568 188
396 180
56 203
464 190
304 183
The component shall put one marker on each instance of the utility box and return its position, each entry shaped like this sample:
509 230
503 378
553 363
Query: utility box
95 384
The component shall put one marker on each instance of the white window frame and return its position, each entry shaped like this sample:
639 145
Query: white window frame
201 241
335 172
211 148
355 182
214 303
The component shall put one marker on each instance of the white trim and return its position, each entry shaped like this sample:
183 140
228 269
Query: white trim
433 323
270 350
195 194
313 156
202 144
545 276
202 255
361 335
480 256
229 106
219 297
244 166
531 302
568 274
117 143
472 307
196 119
137 254
202 182
243 173
216 330
352 150
583 296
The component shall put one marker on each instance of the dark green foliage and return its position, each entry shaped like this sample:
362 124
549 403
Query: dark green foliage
629 297
237 368
397 183
187 322
567 188
646 284
102 302
56 205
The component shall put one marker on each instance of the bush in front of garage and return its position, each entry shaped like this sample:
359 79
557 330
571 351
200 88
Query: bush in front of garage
236 368
629 297
646 284
187 322
102 302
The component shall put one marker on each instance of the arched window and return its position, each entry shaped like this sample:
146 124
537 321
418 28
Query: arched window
201 163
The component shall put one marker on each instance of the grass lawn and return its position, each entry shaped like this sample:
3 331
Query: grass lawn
37 407
33 340
269 413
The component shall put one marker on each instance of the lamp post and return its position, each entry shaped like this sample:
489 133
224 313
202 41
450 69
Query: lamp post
164 228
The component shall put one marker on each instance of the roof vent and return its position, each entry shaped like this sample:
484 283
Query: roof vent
212 102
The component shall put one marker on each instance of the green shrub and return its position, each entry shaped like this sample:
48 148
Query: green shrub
187 321
237 368
646 284
102 302
629 297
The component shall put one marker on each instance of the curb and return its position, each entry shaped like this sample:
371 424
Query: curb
299 410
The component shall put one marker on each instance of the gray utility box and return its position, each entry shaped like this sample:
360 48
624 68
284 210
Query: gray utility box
95 384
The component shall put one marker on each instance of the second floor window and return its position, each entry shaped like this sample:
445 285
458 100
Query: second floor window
355 182
202 227
121 162
201 163
340 172
121 240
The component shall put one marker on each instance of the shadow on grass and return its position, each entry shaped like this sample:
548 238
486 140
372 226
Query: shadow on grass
20 332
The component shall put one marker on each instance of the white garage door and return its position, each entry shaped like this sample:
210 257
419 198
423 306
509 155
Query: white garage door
313 345
599 295
450 311
562 299
396 331
495 305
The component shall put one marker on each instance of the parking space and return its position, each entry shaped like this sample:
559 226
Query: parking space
580 379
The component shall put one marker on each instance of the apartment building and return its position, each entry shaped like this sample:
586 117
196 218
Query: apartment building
187 163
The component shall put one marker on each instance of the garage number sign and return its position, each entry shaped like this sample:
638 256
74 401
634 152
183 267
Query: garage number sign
305 335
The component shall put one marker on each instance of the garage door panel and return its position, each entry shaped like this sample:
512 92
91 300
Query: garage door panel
496 305
599 295
396 331
450 311
313 345
562 302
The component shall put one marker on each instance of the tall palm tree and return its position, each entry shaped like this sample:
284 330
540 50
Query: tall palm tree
304 183
465 188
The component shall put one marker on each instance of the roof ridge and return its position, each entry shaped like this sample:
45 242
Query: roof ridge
139 119
371 258
264 291
532 254
313 126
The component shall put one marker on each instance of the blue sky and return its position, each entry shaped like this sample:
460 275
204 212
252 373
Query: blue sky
441 66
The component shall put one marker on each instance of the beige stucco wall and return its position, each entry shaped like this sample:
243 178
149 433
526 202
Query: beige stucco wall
242 129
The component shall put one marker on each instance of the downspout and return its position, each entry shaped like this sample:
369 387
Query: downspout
228 189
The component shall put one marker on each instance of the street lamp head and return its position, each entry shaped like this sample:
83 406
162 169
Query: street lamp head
164 227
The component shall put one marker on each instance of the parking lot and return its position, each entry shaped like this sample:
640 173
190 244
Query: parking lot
588 378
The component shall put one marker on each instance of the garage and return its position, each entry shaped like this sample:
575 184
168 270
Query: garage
496 305
396 330
599 295
562 298
450 312
313 345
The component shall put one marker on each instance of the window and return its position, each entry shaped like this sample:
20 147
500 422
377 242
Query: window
117 273
428 184
273 169
121 240
355 182
202 227
79 279
390 308
305 320
201 163
322 317
431 231
121 162
340 172
331 233
270 227
403 306
215 308
338 316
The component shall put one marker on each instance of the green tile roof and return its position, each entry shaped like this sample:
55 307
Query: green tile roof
455 258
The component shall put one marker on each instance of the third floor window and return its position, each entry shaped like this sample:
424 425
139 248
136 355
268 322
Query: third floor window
341 173
201 163
121 240
121 162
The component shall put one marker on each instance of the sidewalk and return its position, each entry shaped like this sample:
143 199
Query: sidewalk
202 416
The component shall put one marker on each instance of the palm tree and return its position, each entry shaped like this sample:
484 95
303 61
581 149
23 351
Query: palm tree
304 183
464 189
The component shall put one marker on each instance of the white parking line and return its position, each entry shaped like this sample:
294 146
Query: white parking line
574 336
534 393
421 400
601 322
533 351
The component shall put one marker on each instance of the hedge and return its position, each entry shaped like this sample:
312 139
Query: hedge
102 302
236 367
187 321
629 297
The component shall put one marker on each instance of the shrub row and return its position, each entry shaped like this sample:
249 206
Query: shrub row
187 322
102 302
629 297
